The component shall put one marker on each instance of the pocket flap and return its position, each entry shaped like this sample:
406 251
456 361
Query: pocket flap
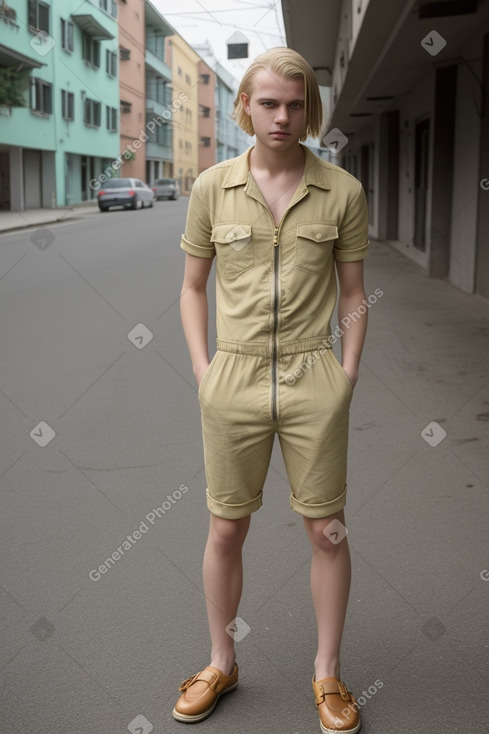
237 235
318 232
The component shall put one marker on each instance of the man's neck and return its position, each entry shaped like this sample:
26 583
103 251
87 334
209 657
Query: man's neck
276 162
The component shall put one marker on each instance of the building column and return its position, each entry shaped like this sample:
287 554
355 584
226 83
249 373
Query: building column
388 175
17 201
48 185
482 251
442 171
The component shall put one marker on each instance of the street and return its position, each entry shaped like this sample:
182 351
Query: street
102 499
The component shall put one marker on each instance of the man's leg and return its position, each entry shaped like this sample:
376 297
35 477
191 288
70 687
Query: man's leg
330 586
223 583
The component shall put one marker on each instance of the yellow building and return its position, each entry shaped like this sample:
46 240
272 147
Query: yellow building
183 62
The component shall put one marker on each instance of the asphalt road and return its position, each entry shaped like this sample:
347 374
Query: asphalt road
101 457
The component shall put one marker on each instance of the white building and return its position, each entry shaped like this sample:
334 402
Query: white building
408 85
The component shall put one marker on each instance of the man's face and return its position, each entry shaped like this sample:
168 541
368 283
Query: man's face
276 107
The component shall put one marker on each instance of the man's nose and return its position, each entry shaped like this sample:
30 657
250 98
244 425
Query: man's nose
282 115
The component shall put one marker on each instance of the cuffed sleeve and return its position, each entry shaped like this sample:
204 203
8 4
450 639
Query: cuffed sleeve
353 243
196 240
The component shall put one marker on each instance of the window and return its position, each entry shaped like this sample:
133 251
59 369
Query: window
155 43
124 53
126 106
188 79
206 142
204 111
66 35
111 119
67 105
158 89
38 15
188 147
41 96
110 6
188 116
91 51
179 71
92 113
111 63
163 135
205 78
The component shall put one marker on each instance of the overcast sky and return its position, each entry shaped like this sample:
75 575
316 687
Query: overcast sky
216 20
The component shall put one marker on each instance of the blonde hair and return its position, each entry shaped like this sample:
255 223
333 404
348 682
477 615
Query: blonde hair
289 64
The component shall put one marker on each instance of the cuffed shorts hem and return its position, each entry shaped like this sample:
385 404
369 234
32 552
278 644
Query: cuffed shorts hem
323 509
233 511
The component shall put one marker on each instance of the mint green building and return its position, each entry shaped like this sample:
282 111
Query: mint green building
68 132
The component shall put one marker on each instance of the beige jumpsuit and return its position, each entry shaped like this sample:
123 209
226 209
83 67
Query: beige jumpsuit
274 370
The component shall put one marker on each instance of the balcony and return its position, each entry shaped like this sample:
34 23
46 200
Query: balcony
157 64
95 23
158 93
160 140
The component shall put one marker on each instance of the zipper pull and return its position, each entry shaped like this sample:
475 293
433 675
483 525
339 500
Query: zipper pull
275 237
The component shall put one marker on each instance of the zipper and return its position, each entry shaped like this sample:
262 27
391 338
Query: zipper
276 296
276 302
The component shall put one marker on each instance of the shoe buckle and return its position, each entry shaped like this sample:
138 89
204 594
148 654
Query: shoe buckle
187 682
344 692
320 695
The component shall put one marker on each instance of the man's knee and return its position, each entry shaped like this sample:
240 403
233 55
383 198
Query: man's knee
228 535
327 533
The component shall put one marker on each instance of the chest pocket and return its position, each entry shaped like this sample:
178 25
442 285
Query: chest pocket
234 248
314 246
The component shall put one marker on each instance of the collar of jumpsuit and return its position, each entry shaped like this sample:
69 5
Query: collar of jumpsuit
275 286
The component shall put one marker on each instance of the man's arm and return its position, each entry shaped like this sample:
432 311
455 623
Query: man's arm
194 311
352 293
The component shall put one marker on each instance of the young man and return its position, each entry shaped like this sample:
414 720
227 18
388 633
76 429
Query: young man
282 225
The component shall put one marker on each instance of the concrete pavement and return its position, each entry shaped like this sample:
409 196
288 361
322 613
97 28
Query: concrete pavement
14 220
106 652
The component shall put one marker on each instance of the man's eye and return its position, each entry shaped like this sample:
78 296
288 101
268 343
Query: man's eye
268 104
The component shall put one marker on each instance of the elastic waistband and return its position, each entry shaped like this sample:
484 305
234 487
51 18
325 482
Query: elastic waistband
263 349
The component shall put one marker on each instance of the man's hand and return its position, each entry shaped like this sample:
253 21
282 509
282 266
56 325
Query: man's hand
200 371
352 375
351 297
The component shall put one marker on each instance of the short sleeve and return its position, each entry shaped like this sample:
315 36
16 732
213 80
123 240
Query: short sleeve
198 228
353 243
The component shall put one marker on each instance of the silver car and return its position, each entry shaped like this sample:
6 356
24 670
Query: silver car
130 193
166 188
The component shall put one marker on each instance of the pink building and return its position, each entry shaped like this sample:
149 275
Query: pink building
207 117
132 84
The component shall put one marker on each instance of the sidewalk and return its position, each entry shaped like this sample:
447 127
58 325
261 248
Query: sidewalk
12 220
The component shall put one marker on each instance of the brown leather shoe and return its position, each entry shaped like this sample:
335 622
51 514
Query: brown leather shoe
201 692
338 710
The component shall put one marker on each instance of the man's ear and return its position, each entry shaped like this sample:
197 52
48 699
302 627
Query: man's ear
246 102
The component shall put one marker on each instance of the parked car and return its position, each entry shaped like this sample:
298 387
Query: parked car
166 188
130 193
